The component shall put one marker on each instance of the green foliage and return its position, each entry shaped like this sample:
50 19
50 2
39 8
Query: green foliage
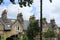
20 2
25 37
1 1
29 2
12 1
25 2
50 1
32 29
49 34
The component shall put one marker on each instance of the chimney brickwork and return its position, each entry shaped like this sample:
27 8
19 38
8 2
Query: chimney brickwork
4 16
20 18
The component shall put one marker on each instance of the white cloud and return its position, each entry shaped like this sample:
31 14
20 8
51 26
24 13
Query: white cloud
51 10
13 10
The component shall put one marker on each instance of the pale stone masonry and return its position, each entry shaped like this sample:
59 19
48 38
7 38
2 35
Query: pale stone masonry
52 25
13 27
9 27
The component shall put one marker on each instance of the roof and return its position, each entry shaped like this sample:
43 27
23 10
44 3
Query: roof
25 25
9 22
49 25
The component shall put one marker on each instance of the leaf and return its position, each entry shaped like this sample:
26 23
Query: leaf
50 1
20 4
1 1
12 1
33 29
28 4
24 4
49 34
31 1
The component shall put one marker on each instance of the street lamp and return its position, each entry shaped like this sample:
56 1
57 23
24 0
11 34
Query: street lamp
41 18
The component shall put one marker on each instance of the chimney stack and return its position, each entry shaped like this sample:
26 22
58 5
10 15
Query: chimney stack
32 17
44 21
20 18
4 15
52 21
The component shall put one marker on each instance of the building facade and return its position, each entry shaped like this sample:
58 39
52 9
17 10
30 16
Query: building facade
9 27
49 26
16 27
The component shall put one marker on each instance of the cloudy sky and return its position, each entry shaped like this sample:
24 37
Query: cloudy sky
13 10
52 10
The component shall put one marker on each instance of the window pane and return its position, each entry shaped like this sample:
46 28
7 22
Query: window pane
17 27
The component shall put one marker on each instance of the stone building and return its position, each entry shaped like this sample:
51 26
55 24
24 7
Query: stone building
10 28
15 27
52 25
49 26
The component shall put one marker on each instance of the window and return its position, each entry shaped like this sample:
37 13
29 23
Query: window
17 27
8 25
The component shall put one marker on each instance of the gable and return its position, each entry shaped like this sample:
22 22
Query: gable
14 26
17 24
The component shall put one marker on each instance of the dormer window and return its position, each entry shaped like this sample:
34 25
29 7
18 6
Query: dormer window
7 28
8 25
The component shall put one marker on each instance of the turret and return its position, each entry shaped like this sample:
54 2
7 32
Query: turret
20 18
4 16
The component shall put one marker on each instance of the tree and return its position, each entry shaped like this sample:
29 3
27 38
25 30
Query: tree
25 37
20 2
12 1
32 29
50 1
1 1
49 34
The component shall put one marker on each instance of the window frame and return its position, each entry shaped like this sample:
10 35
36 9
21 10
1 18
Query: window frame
17 27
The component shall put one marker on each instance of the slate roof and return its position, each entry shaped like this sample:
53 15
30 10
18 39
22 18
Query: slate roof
6 25
26 23
49 25
10 22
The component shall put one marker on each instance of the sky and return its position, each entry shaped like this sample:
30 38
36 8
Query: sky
14 9
52 10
